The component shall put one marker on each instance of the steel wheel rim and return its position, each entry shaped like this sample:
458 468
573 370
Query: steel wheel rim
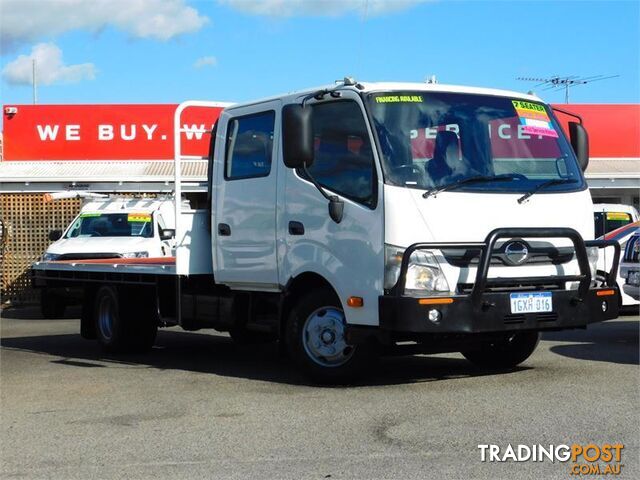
106 314
323 337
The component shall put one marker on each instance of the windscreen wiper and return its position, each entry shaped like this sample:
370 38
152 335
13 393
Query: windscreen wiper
466 181
543 185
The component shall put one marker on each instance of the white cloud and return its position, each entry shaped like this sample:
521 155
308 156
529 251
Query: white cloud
49 68
326 8
25 21
206 62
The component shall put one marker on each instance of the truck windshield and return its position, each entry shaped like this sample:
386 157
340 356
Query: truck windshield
429 140
112 225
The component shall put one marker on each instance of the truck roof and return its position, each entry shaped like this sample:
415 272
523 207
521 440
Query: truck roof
399 86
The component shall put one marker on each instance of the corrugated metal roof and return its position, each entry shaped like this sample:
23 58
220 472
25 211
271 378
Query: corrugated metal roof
105 171
614 167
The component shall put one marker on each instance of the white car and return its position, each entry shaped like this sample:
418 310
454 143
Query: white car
630 267
610 216
120 228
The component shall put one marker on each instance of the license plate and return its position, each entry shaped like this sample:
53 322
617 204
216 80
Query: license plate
633 277
531 302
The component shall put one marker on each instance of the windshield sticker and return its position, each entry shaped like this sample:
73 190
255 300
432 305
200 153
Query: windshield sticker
139 217
534 119
89 215
399 99
617 216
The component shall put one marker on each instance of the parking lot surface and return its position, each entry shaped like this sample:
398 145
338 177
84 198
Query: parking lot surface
199 406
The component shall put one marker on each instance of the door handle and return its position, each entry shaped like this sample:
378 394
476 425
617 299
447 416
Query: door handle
296 228
224 230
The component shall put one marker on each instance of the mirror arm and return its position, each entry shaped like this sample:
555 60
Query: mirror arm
315 183
336 206
556 109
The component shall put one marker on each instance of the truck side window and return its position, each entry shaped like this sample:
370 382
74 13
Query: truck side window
249 146
343 160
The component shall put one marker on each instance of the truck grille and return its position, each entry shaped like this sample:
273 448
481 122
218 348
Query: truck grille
543 253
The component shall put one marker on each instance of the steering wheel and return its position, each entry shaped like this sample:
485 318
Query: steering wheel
410 172
519 176
413 169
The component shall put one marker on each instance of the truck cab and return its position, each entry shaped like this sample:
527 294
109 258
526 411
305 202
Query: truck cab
407 211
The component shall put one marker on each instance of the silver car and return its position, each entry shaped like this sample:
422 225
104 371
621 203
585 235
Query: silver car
630 267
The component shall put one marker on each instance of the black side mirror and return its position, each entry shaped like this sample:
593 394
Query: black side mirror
55 235
297 136
336 209
167 233
580 143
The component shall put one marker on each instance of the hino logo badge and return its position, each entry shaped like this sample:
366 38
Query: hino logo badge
516 253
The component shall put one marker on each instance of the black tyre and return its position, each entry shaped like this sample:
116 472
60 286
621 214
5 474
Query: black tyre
52 306
122 322
507 352
316 340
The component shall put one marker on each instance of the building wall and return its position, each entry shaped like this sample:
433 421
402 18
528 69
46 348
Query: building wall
25 223
626 196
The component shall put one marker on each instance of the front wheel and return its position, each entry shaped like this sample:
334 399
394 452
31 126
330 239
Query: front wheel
316 330
506 352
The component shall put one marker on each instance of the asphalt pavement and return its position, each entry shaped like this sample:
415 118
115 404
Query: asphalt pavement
199 406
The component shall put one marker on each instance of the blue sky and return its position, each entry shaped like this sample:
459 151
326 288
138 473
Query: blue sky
250 49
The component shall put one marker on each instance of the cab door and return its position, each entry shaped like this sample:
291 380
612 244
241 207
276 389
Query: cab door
349 254
244 224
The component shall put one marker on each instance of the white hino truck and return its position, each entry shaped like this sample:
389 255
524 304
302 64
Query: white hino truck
361 218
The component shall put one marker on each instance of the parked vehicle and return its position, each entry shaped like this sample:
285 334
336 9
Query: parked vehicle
630 267
358 215
611 216
622 236
109 228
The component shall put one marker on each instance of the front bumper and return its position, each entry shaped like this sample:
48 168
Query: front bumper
406 314
487 308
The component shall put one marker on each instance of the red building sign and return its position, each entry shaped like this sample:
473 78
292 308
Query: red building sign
145 132
102 132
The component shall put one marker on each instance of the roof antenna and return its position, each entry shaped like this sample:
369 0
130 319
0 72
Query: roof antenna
557 82
432 79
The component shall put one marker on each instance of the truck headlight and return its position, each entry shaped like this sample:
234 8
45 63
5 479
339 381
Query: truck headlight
423 275
49 257
592 256
135 255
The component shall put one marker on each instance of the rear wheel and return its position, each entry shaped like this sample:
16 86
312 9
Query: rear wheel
123 324
52 306
316 340
506 352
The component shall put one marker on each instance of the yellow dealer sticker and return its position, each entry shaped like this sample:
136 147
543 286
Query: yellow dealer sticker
618 216
399 99
139 217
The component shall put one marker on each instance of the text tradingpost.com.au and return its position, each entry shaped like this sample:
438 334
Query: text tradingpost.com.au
585 459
